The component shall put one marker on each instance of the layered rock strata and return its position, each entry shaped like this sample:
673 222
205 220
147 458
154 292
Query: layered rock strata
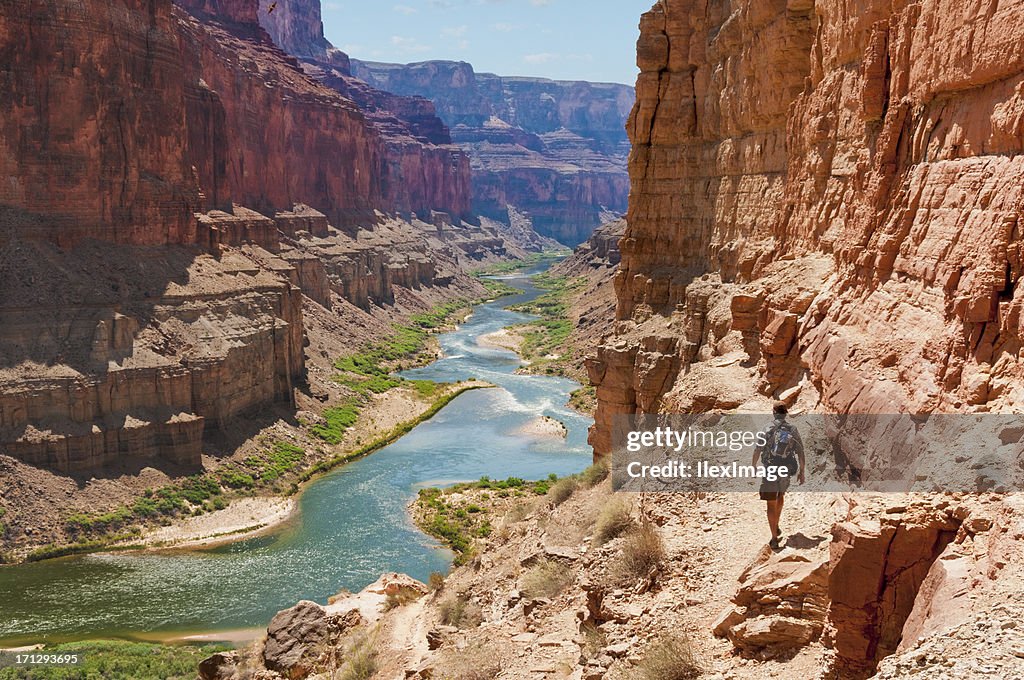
824 200
267 136
553 150
422 171
868 195
213 167
115 360
80 159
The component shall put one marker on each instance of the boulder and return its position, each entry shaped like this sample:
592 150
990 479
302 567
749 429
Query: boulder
780 604
777 633
297 638
220 666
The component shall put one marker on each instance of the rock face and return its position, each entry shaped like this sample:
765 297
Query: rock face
116 353
300 637
867 194
780 605
78 158
878 568
825 198
422 171
297 28
554 150
307 145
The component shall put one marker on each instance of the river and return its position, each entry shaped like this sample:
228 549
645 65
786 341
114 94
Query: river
352 524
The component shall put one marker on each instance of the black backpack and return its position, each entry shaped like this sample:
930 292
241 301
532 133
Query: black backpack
781 447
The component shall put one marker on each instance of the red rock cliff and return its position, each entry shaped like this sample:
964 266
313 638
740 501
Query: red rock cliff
296 27
78 158
125 117
826 203
423 171
554 150
837 183
285 138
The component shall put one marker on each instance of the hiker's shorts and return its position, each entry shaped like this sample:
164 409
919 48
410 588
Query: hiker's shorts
772 491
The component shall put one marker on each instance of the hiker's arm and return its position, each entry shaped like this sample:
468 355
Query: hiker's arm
800 456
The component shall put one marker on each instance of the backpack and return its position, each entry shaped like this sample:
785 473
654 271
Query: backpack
780 449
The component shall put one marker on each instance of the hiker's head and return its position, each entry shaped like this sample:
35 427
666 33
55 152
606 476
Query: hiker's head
780 410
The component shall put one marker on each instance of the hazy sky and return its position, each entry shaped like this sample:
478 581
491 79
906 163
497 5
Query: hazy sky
562 39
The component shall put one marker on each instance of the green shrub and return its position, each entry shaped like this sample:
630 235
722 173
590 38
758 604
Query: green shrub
337 420
563 490
450 533
236 479
379 384
425 388
283 458
594 475
498 289
199 488
79 523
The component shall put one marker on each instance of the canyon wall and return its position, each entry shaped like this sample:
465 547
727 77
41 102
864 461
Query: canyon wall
285 139
553 150
77 157
825 206
839 183
297 28
171 184
422 170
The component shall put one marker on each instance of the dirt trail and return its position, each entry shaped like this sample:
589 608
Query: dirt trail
405 637
714 538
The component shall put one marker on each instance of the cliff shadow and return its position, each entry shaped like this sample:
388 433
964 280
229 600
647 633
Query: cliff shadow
68 313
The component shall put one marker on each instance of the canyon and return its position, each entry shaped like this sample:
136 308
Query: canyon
824 211
554 151
192 228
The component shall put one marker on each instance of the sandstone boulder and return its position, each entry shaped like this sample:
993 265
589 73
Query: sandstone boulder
300 638
220 666
780 605
296 638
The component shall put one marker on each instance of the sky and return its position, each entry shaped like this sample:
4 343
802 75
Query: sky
561 39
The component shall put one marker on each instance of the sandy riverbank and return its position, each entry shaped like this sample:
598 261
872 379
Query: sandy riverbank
502 339
245 517
543 426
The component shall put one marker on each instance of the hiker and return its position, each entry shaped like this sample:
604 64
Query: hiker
783 447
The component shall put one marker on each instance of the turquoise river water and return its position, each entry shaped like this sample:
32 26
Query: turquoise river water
352 525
